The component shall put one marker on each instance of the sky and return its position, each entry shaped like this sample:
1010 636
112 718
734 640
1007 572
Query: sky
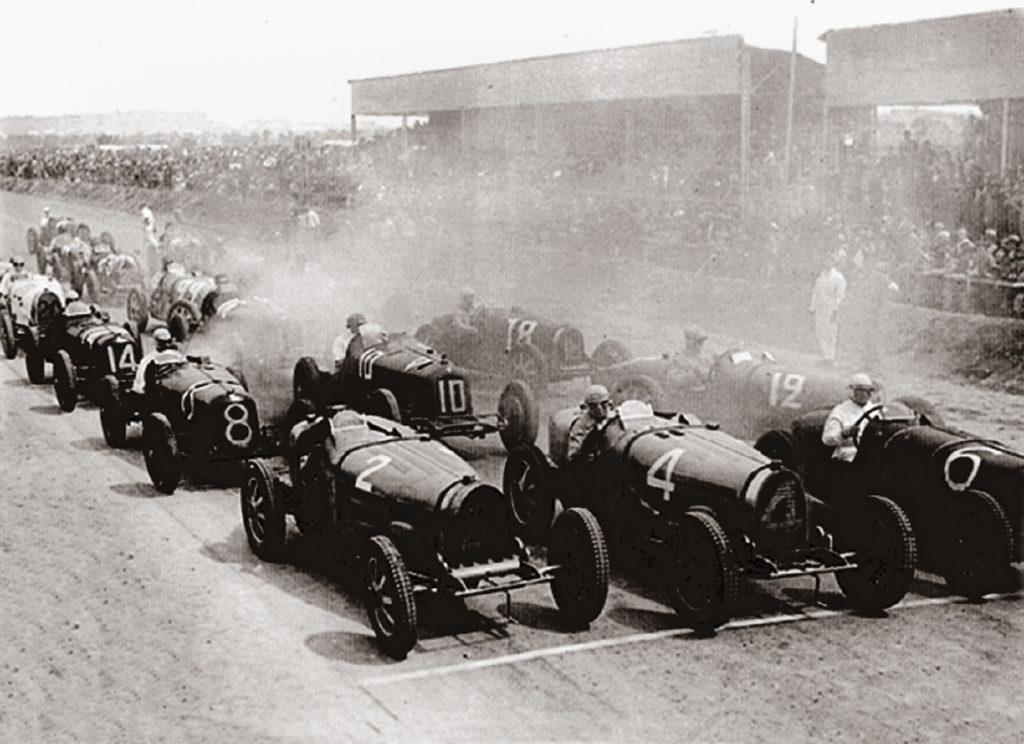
291 59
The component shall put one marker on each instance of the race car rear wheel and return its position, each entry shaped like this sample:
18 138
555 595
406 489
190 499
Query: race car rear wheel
263 511
519 410
7 338
181 321
704 582
35 362
639 387
389 598
526 362
580 586
922 408
137 309
160 449
64 382
528 485
307 381
885 552
382 402
782 446
609 352
112 418
979 544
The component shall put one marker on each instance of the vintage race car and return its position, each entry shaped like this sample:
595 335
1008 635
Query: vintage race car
963 494
706 509
119 272
32 307
418 518
745 392
72 254
86 349
519 345
195 414
179 298
413 384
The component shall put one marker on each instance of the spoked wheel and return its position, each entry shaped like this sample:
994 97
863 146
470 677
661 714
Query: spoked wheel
886 556
180 322
160 449
518 409
527 483
704 586
263 512
527 363
979 544
389 598
577 546
64 382
138 309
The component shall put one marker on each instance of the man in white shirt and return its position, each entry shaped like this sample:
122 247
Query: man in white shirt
838 431
829 293
166 351
16 273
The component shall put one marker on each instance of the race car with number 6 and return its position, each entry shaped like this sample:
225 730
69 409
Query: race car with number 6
417 518
706 509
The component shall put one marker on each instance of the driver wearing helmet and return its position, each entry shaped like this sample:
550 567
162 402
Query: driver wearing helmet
597 408
839 428
166 351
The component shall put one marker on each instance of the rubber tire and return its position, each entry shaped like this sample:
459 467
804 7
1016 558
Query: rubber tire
781 445
387 582
704 581
653 392
7 337
133 330
885 567
382 402
112 418
528 484
263 512
580 584
180 322
526 362
35 363
518 408
140 316
979 544
65 382
922 408
307 381
160 449
608 353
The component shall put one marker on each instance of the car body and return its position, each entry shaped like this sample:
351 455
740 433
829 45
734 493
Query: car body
519 345
68 248
179 298
32 307
411 383
963 494
417 516
195 415
746 392
708 509
86 349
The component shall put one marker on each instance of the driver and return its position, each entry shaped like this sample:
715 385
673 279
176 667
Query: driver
597 405
839 427
166 351
464 313
17 273
351 347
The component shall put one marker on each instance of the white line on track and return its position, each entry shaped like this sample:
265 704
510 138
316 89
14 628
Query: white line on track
811 614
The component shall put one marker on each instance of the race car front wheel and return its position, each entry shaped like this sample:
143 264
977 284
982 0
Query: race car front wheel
885 552
64 382
577 547
979 544
527 483
137 309
35 363
518 409
160 449
112 418
703 581
263 512
389 598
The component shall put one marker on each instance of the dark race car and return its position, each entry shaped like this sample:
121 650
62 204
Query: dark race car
417 518
519 345
963 494
179 298
413 384
195 415
90 355
746 392
33 306
707 509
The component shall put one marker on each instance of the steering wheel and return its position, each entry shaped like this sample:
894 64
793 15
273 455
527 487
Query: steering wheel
873 412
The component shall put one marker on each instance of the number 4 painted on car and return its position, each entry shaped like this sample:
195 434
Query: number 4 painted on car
666 461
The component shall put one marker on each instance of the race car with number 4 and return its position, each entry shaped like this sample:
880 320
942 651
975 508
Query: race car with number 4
418 520
746 392
707 509
964 495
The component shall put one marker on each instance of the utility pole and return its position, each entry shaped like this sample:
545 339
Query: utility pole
789 107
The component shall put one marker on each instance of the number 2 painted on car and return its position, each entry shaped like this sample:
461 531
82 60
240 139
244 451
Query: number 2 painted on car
375 463
792 385
666 461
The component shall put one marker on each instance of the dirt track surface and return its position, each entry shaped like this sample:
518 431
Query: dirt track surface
130 616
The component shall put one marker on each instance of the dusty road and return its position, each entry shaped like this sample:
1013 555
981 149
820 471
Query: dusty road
130 616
